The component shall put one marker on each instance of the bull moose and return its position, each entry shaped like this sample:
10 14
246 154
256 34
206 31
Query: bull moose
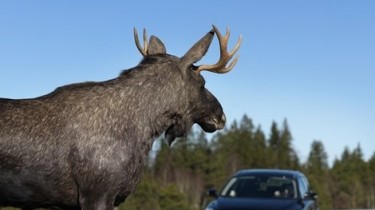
83 145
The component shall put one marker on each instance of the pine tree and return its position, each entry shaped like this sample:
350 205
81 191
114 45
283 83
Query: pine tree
318 173
273 144
349 175
287 155
281 151
371 187
261 159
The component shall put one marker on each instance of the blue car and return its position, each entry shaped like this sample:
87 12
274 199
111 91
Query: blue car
265 189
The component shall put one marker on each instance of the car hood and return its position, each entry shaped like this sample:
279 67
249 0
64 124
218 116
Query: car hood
224 203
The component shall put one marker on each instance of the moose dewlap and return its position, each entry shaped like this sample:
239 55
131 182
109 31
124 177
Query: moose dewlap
83 145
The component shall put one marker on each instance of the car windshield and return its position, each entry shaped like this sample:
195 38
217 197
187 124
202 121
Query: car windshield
262 186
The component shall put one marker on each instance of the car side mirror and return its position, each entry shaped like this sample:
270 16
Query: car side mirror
212 193
311 195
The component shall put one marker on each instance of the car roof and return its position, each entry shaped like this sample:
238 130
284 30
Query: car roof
276 172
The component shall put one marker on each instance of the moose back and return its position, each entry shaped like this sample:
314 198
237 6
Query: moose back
83 145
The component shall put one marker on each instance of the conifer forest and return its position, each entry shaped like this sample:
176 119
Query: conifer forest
179 177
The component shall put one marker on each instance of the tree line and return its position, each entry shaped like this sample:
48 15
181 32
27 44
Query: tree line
179 177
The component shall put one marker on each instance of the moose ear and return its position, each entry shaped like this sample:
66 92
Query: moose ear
156 46
198 50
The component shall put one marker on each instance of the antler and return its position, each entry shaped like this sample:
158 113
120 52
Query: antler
225 56
145 42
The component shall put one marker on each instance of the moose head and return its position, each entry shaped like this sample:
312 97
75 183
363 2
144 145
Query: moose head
196 103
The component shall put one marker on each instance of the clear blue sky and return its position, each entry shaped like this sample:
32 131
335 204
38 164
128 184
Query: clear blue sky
311 62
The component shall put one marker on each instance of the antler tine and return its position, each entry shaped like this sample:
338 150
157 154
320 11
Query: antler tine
145 41
143 50
225 56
